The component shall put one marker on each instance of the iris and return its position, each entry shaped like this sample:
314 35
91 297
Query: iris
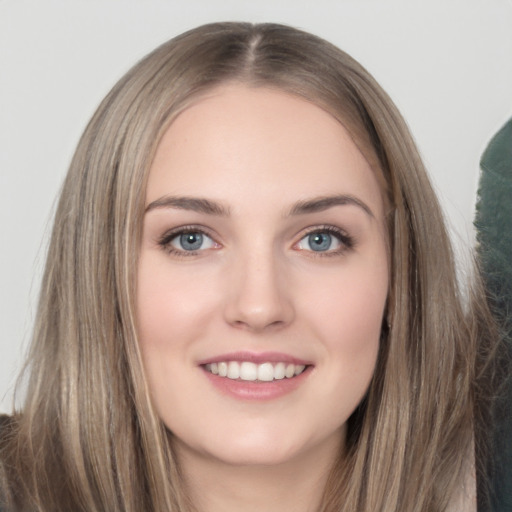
191 241
319 241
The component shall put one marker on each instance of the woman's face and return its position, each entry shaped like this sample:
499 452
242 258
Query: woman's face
263 277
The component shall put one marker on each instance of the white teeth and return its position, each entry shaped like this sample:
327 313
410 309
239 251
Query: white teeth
266 372
233 370
223 369
249 371
279 371
299 368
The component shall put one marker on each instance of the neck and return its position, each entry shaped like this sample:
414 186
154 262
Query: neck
297 484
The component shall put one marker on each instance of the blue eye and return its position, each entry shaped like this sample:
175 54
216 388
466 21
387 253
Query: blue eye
319 241
328 240
186 241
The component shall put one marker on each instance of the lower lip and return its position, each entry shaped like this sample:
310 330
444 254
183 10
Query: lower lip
257 390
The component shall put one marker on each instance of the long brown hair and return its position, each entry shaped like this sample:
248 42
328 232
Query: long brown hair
88 438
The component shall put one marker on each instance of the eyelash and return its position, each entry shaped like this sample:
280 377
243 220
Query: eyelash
347 242
165 241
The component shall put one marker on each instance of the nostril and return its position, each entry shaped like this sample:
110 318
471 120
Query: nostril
258 325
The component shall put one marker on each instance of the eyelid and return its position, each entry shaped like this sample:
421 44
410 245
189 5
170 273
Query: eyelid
165 240
346 240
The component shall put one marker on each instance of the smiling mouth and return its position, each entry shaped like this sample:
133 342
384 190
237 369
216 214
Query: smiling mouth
248 371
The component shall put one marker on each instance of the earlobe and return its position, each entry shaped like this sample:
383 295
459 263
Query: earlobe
387 317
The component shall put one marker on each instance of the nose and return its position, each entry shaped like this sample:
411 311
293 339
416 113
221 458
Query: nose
259 296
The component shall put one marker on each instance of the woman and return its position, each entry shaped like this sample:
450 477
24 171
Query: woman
249 300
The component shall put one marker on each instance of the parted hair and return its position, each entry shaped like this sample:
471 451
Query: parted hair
87 437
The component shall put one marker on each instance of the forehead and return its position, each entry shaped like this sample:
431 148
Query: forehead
237 135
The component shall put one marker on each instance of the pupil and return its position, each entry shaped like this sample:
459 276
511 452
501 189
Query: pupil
319 241
191 241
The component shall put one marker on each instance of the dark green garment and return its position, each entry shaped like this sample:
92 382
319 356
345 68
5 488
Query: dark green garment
494 224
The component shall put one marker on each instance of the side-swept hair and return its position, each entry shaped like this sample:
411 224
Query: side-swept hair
88 439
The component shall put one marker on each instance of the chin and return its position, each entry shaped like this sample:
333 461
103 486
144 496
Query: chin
257 448
255 459
269 455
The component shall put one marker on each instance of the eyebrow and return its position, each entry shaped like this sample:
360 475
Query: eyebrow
320 204
189 203
209 207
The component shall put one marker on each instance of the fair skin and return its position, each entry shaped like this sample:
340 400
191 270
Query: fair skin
263 252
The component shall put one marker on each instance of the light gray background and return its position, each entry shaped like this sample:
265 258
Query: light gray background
446 63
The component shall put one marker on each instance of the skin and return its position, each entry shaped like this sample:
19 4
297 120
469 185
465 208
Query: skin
256 285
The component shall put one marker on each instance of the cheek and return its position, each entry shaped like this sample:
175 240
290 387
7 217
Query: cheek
351 302
171 306
172 314
352 326
346 313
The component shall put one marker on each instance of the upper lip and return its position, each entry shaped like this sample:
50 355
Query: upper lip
256 357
